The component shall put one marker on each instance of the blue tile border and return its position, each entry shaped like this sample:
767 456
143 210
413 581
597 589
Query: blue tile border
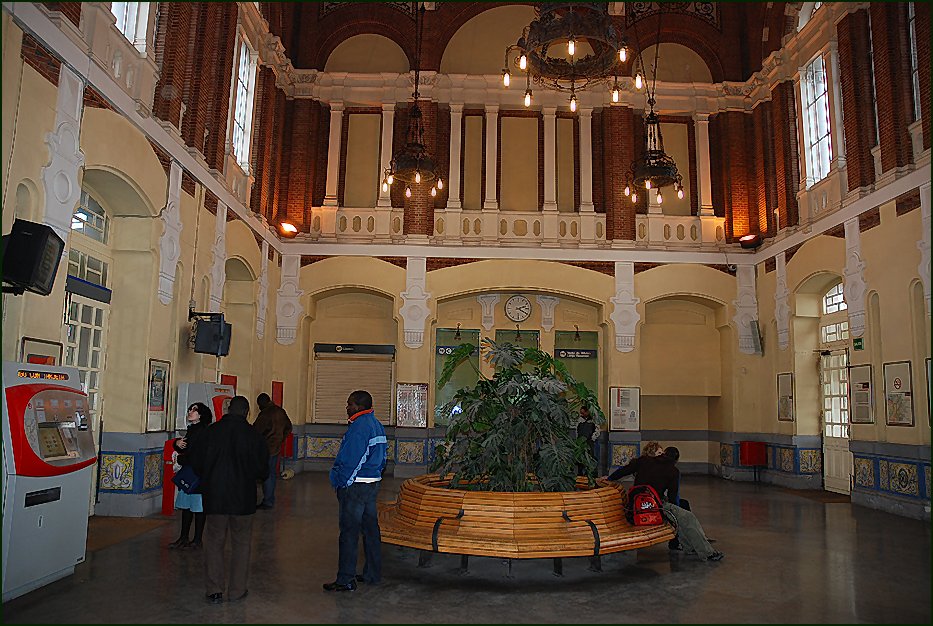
139 484
873 475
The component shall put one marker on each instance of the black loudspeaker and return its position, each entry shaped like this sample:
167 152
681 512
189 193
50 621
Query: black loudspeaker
31 254
213 337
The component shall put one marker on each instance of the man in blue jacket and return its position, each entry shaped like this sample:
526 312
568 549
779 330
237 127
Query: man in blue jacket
355 477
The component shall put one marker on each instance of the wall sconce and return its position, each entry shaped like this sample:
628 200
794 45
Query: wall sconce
518 333
457 336
751 240
288 230
576 333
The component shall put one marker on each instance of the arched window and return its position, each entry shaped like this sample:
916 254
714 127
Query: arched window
834 300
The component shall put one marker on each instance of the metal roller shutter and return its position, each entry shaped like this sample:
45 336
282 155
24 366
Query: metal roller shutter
336 377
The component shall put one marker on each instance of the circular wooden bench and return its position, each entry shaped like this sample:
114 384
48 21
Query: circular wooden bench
430 516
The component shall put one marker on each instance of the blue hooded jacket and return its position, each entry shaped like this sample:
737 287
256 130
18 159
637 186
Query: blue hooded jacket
362 451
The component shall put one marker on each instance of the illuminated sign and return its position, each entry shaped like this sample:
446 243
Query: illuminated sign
41 375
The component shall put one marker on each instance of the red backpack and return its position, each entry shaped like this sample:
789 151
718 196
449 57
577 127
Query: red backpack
644 506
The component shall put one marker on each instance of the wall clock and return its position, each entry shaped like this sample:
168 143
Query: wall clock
518 308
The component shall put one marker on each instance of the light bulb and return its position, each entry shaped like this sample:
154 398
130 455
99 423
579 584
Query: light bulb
659 198
623 54
523 62
573 103
680 193
528 97
385 186
571 46
390 179
638 81
647 183
505 78
615 93
440 183
634 197
433 192
408 192
417 176
627 191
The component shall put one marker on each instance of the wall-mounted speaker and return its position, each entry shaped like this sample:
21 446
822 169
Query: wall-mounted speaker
31 254
212 336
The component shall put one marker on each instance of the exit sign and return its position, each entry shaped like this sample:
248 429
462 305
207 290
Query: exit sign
858 343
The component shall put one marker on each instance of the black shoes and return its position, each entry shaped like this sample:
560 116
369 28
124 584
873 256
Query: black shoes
178 543
238 598
194 545
715 556
264 507
334 586
216 598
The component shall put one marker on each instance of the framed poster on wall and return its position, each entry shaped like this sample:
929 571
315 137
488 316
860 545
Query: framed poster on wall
624 408
898 399
785 397
40 352
411 405
157 402
861 398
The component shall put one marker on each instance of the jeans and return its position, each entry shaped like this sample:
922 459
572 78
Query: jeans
358 514
268 485
689 532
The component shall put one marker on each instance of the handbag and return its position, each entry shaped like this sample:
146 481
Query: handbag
186 479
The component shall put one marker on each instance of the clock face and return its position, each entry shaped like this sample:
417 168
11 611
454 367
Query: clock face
518 308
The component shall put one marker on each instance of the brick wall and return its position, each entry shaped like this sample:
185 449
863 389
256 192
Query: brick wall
194 47
735 142
922 28
71 10
419 209
891 49
857 108
786 157
617 143
38 58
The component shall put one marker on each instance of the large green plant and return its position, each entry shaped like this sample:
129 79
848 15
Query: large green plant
517 430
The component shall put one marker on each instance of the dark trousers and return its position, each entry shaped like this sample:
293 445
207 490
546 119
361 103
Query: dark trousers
358 514
240 529
268 485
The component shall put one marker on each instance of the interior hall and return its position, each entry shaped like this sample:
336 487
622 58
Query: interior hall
715 215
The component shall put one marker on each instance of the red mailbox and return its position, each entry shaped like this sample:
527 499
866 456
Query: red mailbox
752 453
168 487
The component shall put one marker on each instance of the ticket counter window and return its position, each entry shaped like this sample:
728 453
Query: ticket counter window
466 374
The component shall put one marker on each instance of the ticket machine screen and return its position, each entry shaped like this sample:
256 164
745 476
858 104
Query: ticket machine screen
56 425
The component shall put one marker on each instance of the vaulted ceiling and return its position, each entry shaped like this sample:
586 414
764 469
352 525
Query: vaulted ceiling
733 38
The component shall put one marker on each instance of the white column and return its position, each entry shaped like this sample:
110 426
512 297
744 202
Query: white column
924 243
550 158
586 161
492 152
453 188
834 89
385 156
333 153
705 182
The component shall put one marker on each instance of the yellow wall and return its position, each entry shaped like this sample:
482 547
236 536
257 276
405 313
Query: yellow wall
519 164
565 159
472 162
362 174
367 53
477 46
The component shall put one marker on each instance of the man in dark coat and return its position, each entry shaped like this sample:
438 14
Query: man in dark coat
273 424
229 458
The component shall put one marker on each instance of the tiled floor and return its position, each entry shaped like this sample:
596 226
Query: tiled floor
789 559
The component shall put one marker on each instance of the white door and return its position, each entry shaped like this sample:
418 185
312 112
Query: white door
85 339
837 459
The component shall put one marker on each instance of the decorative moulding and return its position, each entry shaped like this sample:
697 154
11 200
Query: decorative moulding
781 305
548 304
924 243
488 302
625 314
60 176
263 295
414 310
218 267
746 308
170 241
288 309
855 285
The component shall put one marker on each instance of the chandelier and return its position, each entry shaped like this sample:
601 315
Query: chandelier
595 49
413 164
654 169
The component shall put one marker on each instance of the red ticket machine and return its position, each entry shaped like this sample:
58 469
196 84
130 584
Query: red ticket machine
48 458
